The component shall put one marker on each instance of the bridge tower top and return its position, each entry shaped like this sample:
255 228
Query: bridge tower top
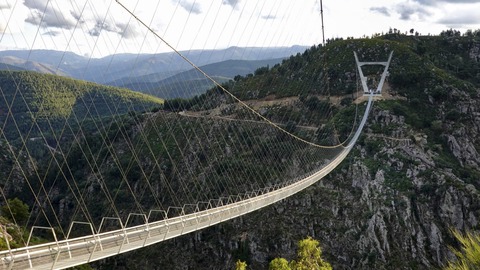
370 91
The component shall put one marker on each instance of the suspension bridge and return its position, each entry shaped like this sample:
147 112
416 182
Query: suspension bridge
120 173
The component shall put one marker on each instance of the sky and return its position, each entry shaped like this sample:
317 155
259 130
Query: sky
97 28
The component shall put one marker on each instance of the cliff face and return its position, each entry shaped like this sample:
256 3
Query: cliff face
410 200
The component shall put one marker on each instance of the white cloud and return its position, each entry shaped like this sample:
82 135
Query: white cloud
440 2
232 3
43 13
52 33
462 19
407 11
4 5
190 6
381 10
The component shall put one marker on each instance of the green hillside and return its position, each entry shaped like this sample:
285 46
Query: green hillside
33 104
417 60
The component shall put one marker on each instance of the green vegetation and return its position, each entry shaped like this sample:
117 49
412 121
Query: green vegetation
15 210
52 96
240 265
279 264
82 267
308 258
468 255
48 107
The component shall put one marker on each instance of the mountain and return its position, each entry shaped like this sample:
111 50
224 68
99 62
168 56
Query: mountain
124 66
52 58
190 83
15 63
4 66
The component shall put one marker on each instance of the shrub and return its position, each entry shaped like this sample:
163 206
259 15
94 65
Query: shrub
15 210
468 256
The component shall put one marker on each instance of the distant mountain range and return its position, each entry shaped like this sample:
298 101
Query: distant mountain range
192 82
165 75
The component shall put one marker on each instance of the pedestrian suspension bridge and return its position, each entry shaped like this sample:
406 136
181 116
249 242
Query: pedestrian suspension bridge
174 173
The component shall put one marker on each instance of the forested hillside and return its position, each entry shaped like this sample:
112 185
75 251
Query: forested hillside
29 99
41 113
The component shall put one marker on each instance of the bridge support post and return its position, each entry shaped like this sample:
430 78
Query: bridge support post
4 231
169 209
164 217
70 230
100 230
126 225
54 237
363 79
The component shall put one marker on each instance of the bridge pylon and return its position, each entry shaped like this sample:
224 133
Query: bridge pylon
371 91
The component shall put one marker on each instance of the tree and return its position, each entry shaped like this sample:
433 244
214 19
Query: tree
240 265
279 264
308 258
15 210
468 256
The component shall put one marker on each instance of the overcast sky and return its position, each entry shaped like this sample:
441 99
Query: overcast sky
103 27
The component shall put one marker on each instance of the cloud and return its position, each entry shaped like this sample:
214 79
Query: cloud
99 26
40 5
408 11
269 17
123 29
232 3
461 20
381 10
426 8
5 6
42 13
127 30
189 6
77 17
52 33
45 14
437 2
422 9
